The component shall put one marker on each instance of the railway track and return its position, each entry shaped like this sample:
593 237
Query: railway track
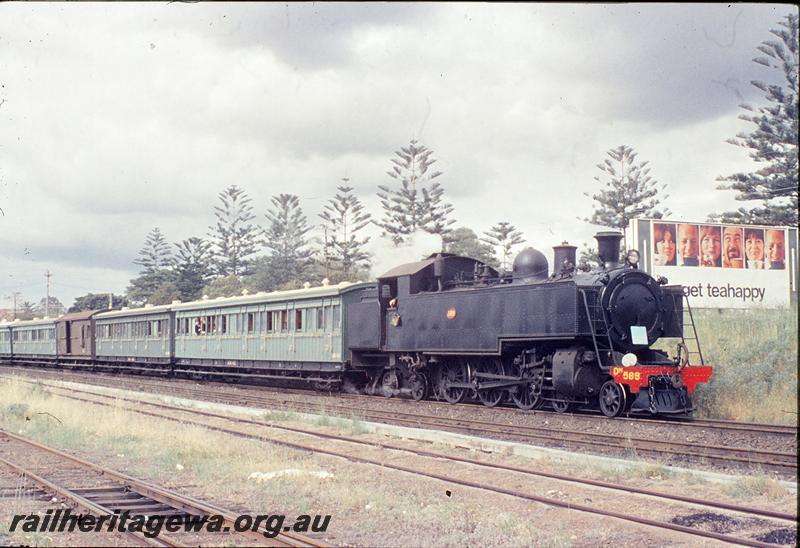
501 411
626 445
100 491
272 433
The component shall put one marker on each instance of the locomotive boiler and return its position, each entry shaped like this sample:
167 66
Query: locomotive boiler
453 328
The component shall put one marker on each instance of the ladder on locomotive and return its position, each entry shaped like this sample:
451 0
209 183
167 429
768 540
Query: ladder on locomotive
597 322
687 320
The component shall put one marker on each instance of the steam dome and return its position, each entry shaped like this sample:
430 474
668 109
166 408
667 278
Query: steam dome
530 265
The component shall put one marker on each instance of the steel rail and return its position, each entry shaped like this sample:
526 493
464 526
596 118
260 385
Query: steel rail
612 442
433 454
458 481
718 424
85 503
176 500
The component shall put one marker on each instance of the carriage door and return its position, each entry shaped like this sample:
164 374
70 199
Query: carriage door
388 304
68 337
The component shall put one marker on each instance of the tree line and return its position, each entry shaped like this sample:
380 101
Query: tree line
238 254
246 252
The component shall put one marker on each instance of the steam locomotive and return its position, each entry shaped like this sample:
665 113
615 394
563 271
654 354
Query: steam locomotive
454 328
447 327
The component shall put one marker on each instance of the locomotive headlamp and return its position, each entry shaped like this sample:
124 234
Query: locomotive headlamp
632 257
629 359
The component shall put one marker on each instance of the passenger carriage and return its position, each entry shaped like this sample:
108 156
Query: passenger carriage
75 338
31 341
139 338
5 341
279 335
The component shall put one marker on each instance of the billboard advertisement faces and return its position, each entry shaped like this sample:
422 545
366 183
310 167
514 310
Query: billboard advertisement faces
720 265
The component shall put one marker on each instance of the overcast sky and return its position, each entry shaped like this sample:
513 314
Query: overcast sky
116 118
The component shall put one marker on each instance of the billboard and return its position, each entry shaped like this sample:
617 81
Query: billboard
720 265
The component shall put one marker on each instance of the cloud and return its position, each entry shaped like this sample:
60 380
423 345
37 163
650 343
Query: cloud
118 118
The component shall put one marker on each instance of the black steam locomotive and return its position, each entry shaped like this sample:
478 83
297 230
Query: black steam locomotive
453 328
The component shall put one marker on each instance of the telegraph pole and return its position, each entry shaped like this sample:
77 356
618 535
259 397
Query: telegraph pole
47 302
15 294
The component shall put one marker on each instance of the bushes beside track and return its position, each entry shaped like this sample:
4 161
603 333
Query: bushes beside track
754 354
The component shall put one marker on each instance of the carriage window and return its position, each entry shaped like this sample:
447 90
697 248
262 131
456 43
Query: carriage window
223 324
311 319
337 310
298 320
149 326
320 319
284 321
251 322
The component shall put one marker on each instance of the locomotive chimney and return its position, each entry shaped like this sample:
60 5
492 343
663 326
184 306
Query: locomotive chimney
608 248
563 258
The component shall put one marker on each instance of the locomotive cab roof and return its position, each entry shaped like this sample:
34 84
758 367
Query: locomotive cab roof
447 268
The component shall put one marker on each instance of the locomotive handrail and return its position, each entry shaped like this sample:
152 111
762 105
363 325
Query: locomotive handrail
694 330
591 327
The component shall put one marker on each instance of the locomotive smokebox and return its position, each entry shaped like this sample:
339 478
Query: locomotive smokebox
608 248
564 258
530 265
